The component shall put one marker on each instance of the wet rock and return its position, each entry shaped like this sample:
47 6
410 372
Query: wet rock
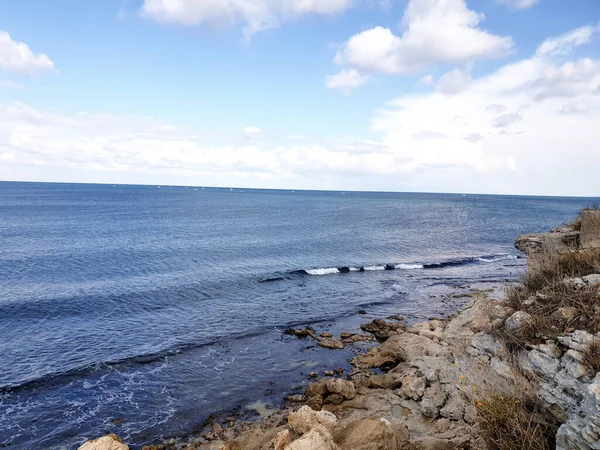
381 329
339 370
328 373
517 321
315 403
397 317
318 389
313 375
369 434
361 312
354 338
326 334
306 418
108 442
345 335
331 343
302 333
298 398
342 387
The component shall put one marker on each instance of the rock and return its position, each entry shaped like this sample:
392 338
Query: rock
317 389
381 329
547 243
282 440
298 398
354 338
575 284
306 418
454 408
315 403
517 321
109 442
335 399
326 334
313 375
342 387
412 387
397 317
368 434
339 370
442 425
361 312
328 373
316 439
582 429
590 228
331 343
579 340
566 314
345 335
302 333
433 400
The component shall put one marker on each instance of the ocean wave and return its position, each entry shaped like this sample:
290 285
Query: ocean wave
399 266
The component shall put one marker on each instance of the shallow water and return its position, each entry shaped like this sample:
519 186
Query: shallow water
162 306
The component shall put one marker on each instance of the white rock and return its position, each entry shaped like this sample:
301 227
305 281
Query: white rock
305 418
517 320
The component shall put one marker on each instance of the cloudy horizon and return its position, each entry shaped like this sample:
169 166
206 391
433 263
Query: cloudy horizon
477 96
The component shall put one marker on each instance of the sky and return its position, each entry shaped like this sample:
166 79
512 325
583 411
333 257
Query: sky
466 96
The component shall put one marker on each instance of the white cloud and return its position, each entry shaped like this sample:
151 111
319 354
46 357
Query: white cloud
254 15
17 57
453 82
437 32
11 84
519 4
346 80
563 44
529 127
427 80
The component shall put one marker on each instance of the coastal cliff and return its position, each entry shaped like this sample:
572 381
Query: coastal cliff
519 372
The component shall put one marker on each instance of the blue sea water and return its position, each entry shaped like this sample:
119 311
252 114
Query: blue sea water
161 305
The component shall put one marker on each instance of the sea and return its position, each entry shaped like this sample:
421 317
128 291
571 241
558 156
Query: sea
144 310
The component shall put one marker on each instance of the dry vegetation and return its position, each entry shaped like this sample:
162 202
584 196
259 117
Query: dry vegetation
512 423
591 357
556 308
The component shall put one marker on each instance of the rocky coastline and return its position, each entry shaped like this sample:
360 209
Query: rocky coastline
520 372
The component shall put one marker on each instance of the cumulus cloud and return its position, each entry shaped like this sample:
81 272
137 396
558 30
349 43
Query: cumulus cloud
453 82
436 32
346 80
519 4
17 57
254 15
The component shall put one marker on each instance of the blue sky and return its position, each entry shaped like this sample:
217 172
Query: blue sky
227 92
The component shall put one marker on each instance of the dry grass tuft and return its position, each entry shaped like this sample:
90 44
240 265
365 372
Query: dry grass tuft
510 423
591 356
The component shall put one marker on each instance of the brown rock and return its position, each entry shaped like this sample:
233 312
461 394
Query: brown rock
109 442
381 329
366 434
336 399
318 438
315 403
331 343
342 387
317 389
282 440
306 418
326 334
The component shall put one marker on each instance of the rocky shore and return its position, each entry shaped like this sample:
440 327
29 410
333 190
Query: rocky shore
521 372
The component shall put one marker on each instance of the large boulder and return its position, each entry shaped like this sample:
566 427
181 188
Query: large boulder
305 418
344 388
368 434
109 442
319 438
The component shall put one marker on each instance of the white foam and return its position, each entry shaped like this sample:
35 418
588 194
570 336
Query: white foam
375 268
354 269
328 271
409 266
497 258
